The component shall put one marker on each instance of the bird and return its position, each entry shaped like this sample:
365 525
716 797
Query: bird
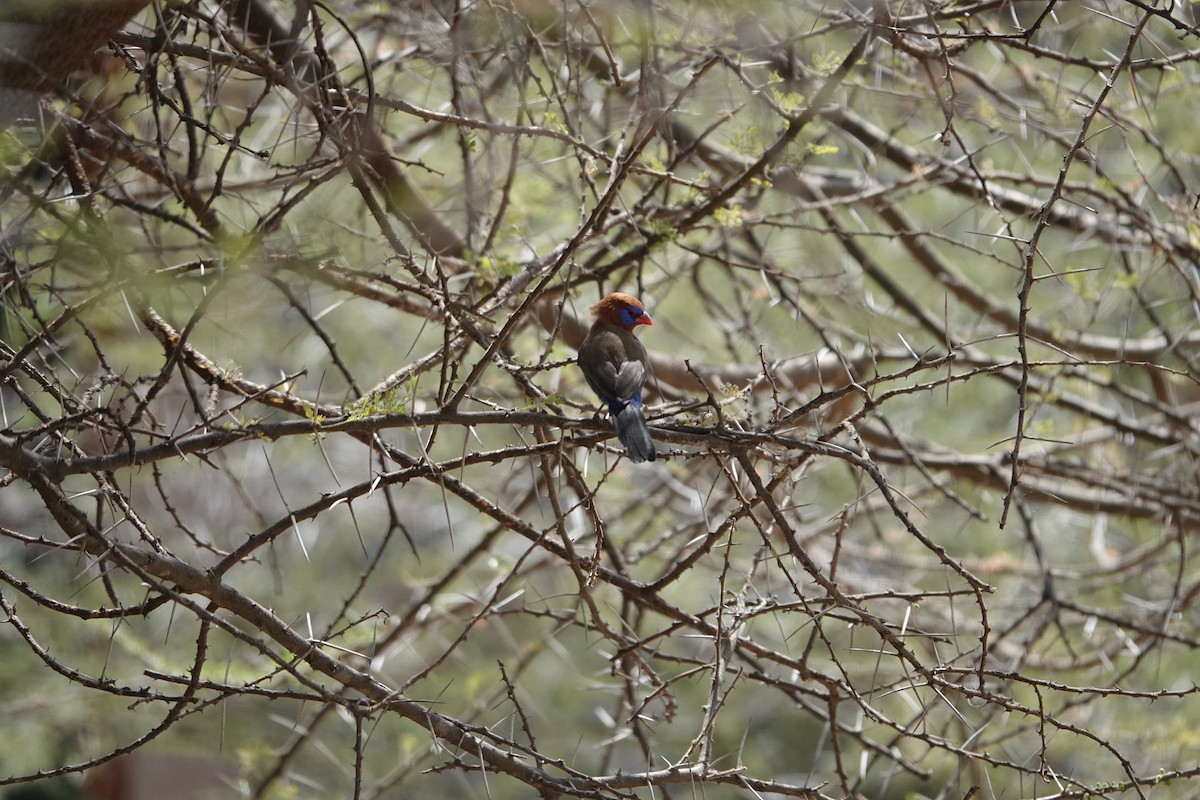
615 365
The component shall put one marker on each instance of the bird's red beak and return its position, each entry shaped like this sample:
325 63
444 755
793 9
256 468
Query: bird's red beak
644 319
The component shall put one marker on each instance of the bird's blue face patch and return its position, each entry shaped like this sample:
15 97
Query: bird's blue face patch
631 316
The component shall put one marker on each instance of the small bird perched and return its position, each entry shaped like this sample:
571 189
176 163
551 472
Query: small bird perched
614 363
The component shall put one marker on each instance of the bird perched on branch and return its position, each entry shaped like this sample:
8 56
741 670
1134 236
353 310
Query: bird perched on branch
614 363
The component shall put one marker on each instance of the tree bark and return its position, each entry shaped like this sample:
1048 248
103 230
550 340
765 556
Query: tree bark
43 41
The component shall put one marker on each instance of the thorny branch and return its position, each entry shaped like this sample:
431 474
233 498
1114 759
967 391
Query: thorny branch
289 299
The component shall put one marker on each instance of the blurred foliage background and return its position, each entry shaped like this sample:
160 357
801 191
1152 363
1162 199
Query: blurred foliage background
301 492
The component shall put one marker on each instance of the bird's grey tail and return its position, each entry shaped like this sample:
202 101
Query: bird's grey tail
633 433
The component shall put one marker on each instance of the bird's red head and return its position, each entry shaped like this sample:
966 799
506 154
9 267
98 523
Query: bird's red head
622 310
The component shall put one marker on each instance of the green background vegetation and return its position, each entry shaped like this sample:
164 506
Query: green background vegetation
1056 651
